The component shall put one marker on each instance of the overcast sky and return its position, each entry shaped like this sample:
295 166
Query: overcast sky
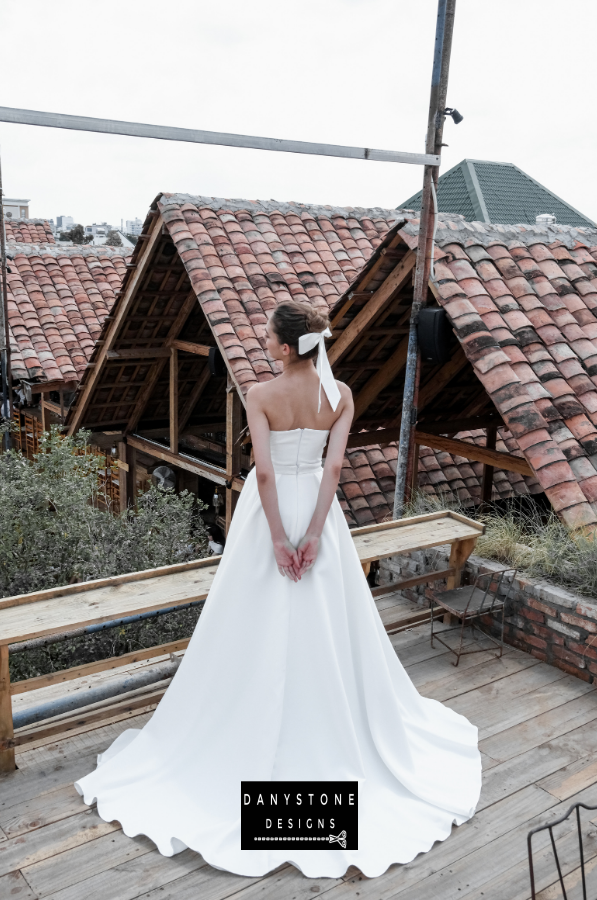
341 71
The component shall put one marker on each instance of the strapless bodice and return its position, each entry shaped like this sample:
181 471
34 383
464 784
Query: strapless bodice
297 452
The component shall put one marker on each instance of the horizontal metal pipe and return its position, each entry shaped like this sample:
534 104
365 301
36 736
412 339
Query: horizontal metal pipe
196 136
81 698
34 643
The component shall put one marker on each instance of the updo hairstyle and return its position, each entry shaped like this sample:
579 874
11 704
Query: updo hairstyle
292 319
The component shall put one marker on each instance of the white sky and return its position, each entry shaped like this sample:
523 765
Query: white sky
342 71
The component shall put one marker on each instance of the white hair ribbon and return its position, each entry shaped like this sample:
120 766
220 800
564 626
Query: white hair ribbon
307 342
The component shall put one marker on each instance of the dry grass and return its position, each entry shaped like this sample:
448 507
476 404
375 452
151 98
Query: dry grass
533 540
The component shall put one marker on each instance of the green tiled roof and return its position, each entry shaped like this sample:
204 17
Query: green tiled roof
501 193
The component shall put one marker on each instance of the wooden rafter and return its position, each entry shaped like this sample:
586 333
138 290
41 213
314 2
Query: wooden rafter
138 353
381 379
207 470
233 446
116 322
189 347
433 387
373 307
191 403
478 454
174 399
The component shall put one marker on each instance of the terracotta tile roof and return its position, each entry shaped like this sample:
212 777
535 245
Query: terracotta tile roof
58 299
523 304
522 301
366 490
29 231
243 258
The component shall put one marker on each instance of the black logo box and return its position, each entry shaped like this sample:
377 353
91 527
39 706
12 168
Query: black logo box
310 815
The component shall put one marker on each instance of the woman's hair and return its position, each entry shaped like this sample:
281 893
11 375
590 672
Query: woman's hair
292 319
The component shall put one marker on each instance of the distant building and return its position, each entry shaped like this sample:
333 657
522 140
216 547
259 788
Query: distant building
484 191
99 229
134 226
65 223
15 209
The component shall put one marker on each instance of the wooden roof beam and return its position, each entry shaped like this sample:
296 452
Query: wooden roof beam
381 379
114 325
214 473
373 307
478 454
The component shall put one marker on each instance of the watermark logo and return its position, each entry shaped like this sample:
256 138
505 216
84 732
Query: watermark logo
314 815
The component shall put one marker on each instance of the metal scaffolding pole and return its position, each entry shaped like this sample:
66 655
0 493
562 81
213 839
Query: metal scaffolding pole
4 334
196 136
439 84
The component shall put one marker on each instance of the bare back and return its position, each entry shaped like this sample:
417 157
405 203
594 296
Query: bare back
290 401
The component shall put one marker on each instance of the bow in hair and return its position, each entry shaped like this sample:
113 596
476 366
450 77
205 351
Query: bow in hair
307 342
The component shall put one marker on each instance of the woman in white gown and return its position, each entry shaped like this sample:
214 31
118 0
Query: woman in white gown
289 674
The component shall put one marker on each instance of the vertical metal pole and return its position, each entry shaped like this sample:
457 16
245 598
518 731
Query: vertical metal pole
4 334
439 82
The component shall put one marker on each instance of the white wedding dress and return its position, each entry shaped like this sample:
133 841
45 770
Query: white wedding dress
290 681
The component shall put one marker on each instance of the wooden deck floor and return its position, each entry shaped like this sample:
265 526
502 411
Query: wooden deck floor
538 735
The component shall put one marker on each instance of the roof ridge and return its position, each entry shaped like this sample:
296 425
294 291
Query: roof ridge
282 206
31 249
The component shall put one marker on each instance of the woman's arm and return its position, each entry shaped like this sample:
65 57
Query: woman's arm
286 555
309 546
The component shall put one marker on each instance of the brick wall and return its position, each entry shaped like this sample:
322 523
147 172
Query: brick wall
553 624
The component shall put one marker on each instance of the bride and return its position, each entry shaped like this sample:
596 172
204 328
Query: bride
290 674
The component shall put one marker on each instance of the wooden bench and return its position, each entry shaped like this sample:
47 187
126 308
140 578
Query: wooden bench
66 608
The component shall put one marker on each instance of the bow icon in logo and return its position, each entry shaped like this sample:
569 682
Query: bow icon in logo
341 838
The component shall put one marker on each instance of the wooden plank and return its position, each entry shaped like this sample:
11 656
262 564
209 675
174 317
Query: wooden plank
62 725
7 757
207 470
425 578
63 864
373 307
101 665
190 404
577 776
45 387
188 347
367 438
58 837
459 553
131 475
151 876
381 379
429 391
114 326
474 670
156 370
556 766
513 700
113 601
472 451
110 581
468 423
539 729
173 393
372 547
138 353
233 446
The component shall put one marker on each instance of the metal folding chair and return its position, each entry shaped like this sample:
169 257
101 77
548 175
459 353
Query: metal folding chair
469 604
579 869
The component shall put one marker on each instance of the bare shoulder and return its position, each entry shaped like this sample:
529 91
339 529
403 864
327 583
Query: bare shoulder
345 393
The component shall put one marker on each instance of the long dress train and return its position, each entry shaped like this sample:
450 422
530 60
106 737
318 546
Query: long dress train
290 681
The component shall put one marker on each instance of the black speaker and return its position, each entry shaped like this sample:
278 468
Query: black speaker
435 335
217 366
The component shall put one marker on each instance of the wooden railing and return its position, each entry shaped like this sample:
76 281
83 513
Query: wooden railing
61 609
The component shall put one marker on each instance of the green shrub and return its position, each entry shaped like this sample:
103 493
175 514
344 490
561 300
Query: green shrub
52 531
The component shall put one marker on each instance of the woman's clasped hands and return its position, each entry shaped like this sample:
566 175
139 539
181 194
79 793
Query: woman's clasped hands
292 561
